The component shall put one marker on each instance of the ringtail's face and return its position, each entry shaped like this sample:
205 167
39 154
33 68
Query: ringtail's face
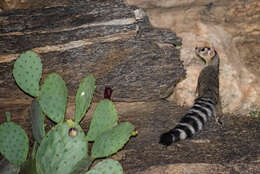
205 54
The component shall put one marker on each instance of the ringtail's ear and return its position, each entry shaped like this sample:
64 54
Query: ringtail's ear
214 59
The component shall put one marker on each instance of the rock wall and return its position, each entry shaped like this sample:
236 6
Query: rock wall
113 41
233 28
25 4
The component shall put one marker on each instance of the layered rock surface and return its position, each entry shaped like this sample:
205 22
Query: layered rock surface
119 47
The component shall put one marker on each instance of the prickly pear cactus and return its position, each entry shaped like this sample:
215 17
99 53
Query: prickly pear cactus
104 118
107 166
84 97
112 140
60 152
53 97
14 143
27 72
37 117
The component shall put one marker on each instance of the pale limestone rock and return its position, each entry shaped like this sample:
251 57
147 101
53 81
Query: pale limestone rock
184 92
16 4
9 4
233 28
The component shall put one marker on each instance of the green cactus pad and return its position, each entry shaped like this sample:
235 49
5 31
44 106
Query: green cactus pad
27 72
59 153
14 143
104 118
84 97
53 97
37 121
112 140
83 165
107 166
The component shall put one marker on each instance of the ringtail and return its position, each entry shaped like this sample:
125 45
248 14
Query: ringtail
205 106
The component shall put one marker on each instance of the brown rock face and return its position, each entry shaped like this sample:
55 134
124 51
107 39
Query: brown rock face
233 28
119 47
231 149
200 168
24 4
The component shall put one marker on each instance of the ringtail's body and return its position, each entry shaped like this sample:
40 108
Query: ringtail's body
205 105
